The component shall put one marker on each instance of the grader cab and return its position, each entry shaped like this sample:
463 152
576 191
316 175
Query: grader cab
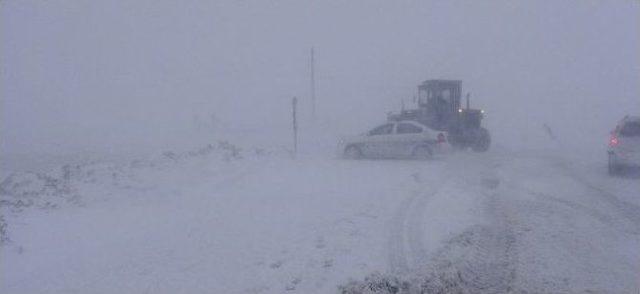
439 107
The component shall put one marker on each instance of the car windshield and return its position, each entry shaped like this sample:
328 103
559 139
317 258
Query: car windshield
381 130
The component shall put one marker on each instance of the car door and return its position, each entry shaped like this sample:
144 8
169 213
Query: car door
377 141
407 136
629 141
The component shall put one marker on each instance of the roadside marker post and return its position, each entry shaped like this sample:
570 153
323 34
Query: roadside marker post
294 104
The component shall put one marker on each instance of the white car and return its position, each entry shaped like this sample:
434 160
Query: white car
624 145
396 139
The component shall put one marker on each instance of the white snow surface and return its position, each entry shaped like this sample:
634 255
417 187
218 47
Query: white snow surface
221 219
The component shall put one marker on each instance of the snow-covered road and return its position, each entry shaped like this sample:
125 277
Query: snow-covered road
469 223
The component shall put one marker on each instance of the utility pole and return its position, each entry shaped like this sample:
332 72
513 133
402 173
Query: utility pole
294 103
313 86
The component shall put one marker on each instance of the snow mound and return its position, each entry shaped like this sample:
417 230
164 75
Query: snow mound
376 283
53 189
25 189
4 236
479 260
93 182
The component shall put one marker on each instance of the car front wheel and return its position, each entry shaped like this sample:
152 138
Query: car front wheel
352 152
422 152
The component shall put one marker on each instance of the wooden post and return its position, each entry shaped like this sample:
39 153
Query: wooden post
294 103
313 86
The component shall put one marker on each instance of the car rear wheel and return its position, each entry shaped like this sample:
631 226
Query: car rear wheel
352 152
422 153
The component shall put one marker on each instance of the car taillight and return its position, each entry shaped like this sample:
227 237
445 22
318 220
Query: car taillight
613 141
441 138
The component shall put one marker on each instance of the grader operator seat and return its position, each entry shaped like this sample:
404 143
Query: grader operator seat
440 100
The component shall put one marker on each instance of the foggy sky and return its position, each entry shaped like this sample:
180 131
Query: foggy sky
99 75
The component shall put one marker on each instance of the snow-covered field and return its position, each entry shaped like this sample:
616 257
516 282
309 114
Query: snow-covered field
223 220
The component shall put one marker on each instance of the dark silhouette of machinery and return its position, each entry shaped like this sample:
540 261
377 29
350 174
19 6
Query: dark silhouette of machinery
439 108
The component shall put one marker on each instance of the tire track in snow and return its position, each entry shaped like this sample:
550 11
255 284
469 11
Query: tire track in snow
628 210
415 230
484 257
396 247
602 217
481 259
406 247
494 257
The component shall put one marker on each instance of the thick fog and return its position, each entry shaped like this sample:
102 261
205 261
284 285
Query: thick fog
146 147
126 76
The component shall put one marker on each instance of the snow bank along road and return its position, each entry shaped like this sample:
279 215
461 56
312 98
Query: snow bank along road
218 221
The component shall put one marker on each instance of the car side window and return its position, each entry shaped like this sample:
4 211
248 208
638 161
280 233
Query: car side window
631 129
405 128
382 130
